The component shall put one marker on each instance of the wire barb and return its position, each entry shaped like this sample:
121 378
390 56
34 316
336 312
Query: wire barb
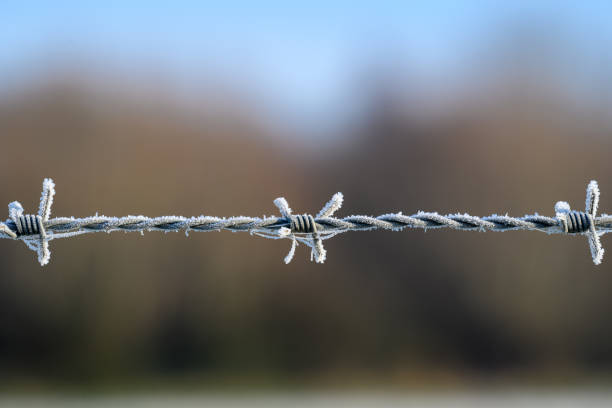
31 228
37 230
303 228
575 222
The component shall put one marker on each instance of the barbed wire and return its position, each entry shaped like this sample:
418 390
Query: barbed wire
37 230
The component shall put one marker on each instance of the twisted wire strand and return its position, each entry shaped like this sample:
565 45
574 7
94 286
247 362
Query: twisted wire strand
395 222
37 230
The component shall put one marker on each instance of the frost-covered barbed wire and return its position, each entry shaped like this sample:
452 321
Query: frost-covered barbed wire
37 230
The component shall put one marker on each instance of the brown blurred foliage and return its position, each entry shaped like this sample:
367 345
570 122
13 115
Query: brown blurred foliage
386 305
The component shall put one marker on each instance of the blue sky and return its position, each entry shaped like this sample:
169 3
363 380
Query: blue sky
302 53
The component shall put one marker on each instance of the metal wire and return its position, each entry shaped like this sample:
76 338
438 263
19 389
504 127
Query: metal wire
37 230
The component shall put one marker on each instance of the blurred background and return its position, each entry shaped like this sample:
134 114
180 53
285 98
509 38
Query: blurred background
218 108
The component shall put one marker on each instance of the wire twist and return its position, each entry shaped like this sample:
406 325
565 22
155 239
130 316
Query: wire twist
37 230
577 222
